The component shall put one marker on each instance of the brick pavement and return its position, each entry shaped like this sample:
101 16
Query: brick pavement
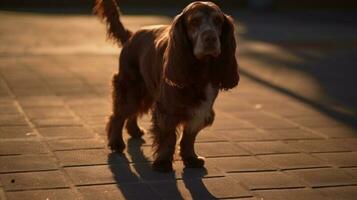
53 106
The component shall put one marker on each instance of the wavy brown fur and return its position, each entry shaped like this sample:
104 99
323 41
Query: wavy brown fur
108 11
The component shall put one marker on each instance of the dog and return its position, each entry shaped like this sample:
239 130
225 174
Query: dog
175 71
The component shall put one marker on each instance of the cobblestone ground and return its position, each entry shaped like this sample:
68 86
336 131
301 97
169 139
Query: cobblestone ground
54 100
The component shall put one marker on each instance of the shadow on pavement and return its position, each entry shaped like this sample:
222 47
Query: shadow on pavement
323 47
153 185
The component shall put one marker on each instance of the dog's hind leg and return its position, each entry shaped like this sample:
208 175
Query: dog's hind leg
130 100
141 104
117 119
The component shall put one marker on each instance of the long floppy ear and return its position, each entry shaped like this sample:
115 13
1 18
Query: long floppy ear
178 58
226 71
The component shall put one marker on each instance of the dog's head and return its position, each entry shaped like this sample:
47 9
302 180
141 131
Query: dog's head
203 22
202 33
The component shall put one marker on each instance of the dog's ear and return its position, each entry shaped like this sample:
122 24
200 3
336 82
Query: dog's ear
226 74
178 57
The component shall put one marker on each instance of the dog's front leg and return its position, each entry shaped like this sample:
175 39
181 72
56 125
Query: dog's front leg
190 132
164 134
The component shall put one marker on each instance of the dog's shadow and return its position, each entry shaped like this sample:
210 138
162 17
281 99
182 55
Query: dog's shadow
136 180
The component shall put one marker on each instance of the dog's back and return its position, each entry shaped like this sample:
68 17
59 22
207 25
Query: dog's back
143 55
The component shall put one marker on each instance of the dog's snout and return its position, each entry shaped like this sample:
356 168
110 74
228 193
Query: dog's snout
209 38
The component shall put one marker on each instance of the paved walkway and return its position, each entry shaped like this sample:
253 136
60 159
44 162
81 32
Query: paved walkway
54 99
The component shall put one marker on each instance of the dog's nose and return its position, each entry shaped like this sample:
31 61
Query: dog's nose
209 38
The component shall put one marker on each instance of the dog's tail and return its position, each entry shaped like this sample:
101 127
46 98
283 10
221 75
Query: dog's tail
108 11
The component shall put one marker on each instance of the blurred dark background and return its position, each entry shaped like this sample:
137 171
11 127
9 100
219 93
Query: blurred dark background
242 4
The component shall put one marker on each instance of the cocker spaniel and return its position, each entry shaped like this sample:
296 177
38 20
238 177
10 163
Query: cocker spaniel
176 71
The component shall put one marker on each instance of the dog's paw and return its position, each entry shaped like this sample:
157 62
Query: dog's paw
194 162
117 146
162 166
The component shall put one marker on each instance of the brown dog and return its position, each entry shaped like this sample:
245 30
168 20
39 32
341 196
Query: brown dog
176 71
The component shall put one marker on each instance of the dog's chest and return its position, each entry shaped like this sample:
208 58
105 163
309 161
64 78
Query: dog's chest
203 112
206 105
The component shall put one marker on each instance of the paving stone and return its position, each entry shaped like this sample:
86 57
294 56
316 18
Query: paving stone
292 110
48 112
267 180
16 132
75 144
103 174
82 157
222 122
269 122
248 198
12 120
352 171
33 180
40 101
5 100
2 194
337 132
79 90
94 101
247 114
345 159
227 104
348 143
10 109
56 194
210 136
4 92
267 147
324 177
100 129
27 83
92 110
113 191
291 194
22 147
246 135
315 121
293 134
239 164
318 146
40 91
207 188
63 132
95 120
56 122
345 193
217 149
293 161
24 163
